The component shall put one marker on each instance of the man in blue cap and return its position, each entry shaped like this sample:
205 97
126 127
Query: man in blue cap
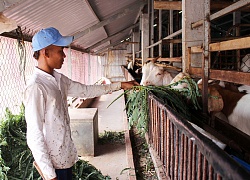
46 109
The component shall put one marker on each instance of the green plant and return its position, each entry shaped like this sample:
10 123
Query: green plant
3 169
16 160
177 99
14 150
82 170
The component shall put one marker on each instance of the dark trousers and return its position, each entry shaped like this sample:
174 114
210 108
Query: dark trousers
64 174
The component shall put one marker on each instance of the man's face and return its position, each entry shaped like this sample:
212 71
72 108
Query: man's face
56 56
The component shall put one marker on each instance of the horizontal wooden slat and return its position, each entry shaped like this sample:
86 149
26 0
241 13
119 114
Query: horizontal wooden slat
223 75
169 67
177 5
173 59
168 5
240 43
164 66
196 49
233 7
175 41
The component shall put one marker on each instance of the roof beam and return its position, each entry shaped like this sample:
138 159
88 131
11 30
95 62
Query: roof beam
5 4
110 37
177 5
108 46
121 14
168 5
235 6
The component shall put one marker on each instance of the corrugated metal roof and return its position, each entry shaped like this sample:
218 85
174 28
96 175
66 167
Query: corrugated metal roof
104 9
75 16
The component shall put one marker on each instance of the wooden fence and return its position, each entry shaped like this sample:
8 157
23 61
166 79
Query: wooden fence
184 152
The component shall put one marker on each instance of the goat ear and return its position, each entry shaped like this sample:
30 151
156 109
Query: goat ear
155 59
161 68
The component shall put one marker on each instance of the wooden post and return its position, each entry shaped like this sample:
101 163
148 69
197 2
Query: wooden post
151 27
135 46
236 22
160 32
192 11
206 56
89 70
171 30
144 37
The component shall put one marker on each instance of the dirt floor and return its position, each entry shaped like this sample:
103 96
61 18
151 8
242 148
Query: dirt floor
143 163
109 121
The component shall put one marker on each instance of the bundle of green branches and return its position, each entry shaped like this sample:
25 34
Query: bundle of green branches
16 160
180 100
190 92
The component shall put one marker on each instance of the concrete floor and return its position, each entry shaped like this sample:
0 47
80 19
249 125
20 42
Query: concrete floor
112 159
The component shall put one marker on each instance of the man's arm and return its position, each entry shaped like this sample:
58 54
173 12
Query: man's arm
77 89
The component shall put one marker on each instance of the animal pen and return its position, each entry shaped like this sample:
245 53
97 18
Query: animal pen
178 149
183 152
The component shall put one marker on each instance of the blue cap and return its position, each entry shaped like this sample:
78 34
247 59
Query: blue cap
49 36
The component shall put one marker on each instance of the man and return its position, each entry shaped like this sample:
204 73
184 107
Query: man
46 110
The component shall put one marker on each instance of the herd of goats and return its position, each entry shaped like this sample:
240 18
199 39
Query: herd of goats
232 104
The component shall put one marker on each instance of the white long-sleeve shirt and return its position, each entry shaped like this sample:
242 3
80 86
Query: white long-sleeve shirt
48 122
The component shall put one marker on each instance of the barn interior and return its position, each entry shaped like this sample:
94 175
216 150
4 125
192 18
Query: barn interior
206 38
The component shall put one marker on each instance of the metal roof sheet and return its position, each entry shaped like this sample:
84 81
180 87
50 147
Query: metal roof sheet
75 16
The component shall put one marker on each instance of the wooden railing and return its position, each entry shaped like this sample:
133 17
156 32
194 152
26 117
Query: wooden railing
185 153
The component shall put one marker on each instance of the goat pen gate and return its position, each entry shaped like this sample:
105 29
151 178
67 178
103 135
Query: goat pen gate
183 151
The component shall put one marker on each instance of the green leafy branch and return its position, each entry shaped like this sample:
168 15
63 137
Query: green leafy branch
178 99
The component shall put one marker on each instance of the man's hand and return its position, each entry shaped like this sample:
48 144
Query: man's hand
129 84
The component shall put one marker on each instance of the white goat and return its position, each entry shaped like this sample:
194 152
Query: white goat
157 76
234 105
146 69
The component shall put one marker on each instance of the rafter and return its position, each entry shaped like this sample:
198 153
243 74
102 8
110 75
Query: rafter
235 6
121 14
108 46
110 37
177 5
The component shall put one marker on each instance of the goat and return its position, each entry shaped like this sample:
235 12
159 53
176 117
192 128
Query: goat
157 76
130 65
146 69
177 78
154 75
234 105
